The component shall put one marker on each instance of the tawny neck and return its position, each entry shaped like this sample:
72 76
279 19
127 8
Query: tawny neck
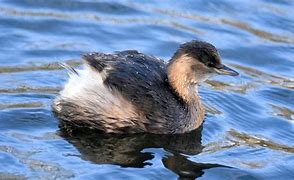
180 76
183 81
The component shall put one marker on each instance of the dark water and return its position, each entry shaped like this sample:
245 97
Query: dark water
249 128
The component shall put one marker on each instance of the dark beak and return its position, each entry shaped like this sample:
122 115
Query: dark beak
224 70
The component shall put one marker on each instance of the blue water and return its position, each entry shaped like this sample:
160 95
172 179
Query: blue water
249 128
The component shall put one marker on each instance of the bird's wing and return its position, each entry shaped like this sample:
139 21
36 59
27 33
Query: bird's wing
140 78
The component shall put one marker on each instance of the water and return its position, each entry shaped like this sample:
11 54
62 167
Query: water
248 132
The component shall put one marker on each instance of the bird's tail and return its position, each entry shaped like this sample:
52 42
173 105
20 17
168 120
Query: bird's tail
70 69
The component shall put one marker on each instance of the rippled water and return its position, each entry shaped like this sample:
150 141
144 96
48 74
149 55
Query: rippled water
248 132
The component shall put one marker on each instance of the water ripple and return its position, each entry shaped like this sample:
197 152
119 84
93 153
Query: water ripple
249 120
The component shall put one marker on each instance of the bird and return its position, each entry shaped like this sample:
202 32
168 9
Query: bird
129 92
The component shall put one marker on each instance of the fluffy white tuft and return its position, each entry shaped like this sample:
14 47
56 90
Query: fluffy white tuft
86 89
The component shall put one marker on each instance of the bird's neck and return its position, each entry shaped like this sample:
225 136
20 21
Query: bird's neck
195 114
186 88
180 77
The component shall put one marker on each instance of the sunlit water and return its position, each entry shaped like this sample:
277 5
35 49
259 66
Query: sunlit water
249 128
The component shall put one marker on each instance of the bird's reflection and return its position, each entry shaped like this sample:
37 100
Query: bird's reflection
127 150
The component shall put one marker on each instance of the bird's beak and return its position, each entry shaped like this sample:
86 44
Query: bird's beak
224 70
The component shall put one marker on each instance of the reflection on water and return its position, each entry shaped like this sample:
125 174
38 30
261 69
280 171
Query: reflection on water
283 111
41 67
248 130
238 24
128 150
185 168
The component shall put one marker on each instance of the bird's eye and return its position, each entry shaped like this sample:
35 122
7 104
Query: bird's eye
210 64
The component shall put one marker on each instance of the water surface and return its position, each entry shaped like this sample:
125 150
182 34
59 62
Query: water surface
249 128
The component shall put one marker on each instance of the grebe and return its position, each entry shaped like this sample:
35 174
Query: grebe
131 92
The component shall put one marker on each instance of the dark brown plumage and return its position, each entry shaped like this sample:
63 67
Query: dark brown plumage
130 92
